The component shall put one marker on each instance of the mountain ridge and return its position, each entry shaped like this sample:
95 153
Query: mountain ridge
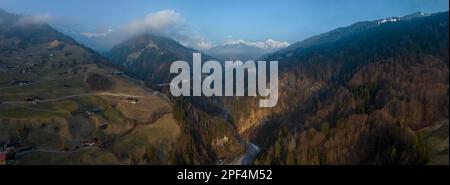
69 106
345 31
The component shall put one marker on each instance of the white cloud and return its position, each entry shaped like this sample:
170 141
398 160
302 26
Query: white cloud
168 23
268 44
161 21
231 41
97 34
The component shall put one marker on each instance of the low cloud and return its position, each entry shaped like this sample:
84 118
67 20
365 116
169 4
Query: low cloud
168 23
161 21
171 24
97 34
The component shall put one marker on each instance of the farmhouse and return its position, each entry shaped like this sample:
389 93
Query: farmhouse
22 82
130 100
26 70
34 100
117 73
92 112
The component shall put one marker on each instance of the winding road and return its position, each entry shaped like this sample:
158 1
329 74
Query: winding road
247 157
15 86
73 96
51 151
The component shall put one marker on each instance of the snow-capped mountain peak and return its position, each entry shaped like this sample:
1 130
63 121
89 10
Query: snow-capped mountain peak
245 50
268 44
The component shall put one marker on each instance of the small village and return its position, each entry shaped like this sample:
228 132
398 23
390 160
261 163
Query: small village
11 149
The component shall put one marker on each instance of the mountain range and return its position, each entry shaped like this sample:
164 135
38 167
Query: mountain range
242 50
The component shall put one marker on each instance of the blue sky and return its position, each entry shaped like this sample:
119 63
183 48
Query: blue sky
215 21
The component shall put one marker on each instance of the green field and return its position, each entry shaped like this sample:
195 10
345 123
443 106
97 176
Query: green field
59 122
